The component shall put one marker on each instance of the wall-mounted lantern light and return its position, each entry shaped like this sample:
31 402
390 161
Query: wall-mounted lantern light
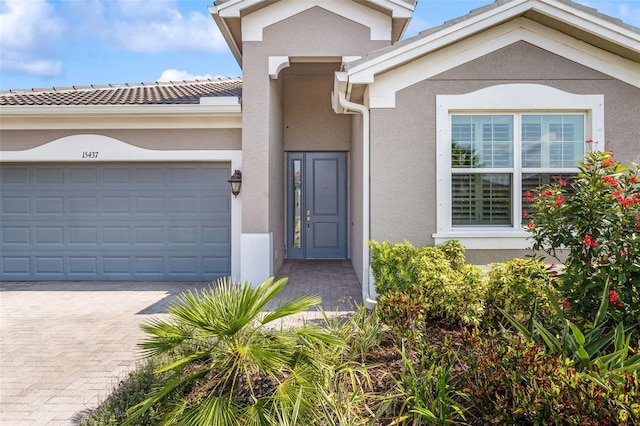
236 182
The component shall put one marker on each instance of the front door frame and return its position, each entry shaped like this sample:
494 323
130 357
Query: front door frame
299 186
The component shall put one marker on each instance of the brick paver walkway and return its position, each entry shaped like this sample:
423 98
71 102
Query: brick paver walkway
64 346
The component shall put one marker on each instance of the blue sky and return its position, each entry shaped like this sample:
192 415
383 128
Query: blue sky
59 43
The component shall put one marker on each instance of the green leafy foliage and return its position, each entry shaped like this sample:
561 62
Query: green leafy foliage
238 370
420 284
517 382
516 287
429 397
603 355
596 226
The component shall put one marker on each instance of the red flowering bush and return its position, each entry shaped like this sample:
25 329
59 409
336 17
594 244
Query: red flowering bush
593 227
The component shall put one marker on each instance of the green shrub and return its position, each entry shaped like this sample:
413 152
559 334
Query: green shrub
454 252
429 283
516 382
239 369
392 266
515 287
130 391
597 226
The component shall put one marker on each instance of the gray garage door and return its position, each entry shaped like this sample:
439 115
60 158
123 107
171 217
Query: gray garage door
147 221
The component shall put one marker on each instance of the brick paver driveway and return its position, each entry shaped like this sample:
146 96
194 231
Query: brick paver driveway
64 346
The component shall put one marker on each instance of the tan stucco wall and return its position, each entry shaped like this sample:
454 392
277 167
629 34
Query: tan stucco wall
403 139
310 123
310 34
356 236
165 139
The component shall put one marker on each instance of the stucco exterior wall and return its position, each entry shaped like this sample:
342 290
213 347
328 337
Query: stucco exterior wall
310 123
314 33
356 236
307 35
159 139
403 150
277 175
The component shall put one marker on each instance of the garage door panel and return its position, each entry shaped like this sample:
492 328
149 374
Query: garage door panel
15 205
83 265
120 222
49 266
49 176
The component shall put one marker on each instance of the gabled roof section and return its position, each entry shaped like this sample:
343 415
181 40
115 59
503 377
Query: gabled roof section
573 20
159 93
229 14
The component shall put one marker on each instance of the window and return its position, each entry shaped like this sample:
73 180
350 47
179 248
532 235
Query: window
487 176
495 144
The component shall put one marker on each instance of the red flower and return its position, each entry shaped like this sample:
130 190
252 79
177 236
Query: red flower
559 200
613 297
525 214
566 304
589 141
634 179
622 252
531 224
610 180
560 181
607 163
589 242
546 193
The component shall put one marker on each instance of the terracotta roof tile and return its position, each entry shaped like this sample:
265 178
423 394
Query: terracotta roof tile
159 93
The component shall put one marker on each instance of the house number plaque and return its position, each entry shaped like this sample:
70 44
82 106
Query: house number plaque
89 154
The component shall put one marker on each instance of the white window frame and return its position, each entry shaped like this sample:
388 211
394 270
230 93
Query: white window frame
502 99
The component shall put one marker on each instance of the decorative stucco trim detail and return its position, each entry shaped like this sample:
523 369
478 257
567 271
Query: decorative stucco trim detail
254 23
71 148
277 64
507 98
385 86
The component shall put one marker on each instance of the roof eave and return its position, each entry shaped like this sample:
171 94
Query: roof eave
91 117
363 71
226 34
114 110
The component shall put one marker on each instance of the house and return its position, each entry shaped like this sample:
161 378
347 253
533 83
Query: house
342 132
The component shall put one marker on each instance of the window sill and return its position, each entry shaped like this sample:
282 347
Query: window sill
486 239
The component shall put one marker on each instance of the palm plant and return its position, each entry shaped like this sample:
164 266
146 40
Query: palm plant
236 367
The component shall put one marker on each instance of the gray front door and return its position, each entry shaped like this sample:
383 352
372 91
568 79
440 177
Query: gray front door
317 210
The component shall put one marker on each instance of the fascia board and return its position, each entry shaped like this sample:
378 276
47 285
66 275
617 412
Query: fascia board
593 24
233 8
120 116
226 34
191 109
253 25
365 72
398 8
382 93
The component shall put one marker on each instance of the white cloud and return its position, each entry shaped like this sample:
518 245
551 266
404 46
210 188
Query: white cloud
27 31
178 75
146 26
